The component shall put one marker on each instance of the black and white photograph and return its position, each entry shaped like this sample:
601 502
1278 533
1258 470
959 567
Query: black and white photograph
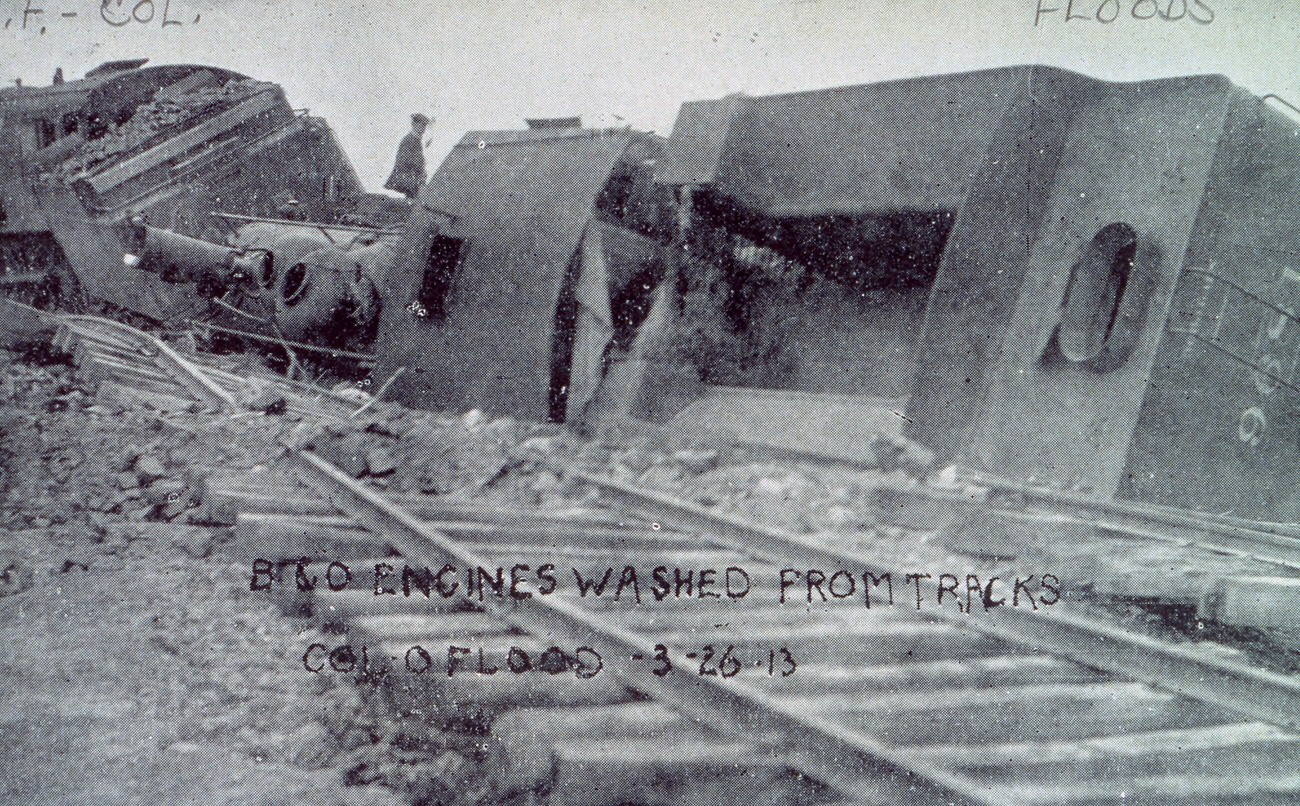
660 403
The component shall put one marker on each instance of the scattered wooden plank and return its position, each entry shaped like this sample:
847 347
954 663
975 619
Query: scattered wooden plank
1059 711
830 677
316 537
286 498
689 770
111 393
856 641
1234 748
121 172
397 627
491 687
522 747
328 606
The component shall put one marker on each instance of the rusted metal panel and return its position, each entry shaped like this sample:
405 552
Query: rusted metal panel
1201 340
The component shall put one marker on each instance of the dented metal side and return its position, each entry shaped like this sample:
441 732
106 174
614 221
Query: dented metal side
1224 394
513 208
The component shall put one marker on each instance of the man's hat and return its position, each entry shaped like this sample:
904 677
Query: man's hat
419 118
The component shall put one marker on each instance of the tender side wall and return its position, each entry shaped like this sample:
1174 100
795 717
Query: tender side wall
974 296
520 208
1215 433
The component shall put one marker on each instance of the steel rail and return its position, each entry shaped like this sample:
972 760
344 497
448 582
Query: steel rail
1262 695
1173 528
860 766
1239 536
252 219
1278 535
22 278
1246 551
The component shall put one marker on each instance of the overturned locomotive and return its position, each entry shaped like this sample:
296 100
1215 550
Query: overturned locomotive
192 150
1085 284
1090 285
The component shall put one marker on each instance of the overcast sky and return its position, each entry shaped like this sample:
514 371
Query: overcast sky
365 66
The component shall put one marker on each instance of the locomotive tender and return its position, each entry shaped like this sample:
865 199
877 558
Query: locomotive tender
1085 284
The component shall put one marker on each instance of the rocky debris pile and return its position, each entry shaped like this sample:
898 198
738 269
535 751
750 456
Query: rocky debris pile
96 491
474 455
417 451
796 496
74 459
138 667
165 113
136 673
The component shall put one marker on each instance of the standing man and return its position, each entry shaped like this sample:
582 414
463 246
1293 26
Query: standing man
408 173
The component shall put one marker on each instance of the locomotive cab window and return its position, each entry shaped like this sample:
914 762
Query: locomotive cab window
1100 299
439 274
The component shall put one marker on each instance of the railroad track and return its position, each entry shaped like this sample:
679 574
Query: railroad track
751 699
1273 543
886 706
1243 577
973 508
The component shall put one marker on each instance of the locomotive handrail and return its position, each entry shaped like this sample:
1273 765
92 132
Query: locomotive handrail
1236 357
252 219
1244 291
365 358
1274 96
1289 315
